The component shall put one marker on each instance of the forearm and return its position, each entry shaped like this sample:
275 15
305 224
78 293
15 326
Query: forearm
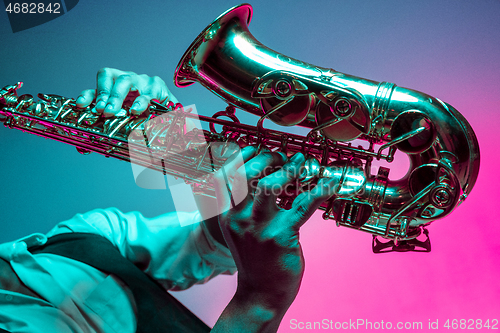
250 314
168 247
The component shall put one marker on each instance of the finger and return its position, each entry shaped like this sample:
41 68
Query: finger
234 162
223 190
308 202
259 166
140 105
270 187
264 164
85 98
149 88
123 85
105 82
245 179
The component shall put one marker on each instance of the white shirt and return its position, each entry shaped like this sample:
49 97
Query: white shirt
79 298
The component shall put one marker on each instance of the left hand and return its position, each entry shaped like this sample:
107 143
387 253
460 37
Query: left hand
116 88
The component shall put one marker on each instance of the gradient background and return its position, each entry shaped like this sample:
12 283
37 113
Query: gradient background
449 49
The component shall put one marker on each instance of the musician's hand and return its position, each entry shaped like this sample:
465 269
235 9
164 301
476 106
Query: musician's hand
263 238
116 88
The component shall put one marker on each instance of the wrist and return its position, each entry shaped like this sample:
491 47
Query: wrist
250 313
276 301
213 228
258 308
207 207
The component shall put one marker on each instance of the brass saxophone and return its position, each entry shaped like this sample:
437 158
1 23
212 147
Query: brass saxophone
336 107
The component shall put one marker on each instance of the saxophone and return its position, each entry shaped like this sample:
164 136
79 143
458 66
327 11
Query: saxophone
336 109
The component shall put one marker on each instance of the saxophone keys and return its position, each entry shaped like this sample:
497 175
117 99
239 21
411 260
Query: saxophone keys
310 171
413 132
342 120
89 119
10 89
290 111
121 125
350 177
23 102
39 110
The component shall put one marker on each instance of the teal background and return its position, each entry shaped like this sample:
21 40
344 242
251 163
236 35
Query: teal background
449 49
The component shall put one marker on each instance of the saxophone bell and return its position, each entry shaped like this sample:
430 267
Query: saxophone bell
338 108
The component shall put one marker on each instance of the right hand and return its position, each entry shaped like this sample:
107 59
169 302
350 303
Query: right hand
262 237
116 88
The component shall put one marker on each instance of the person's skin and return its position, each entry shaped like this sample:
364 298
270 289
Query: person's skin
262 237
116 87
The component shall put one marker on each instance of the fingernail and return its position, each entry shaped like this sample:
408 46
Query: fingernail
135 106
80 100
249 148
298 157
121 113
100 105
108 111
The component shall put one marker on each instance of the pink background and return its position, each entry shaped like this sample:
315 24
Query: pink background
449 49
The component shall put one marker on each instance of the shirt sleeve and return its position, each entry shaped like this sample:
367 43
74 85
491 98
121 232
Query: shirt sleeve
169 248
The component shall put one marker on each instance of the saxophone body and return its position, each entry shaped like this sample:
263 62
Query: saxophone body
336 108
